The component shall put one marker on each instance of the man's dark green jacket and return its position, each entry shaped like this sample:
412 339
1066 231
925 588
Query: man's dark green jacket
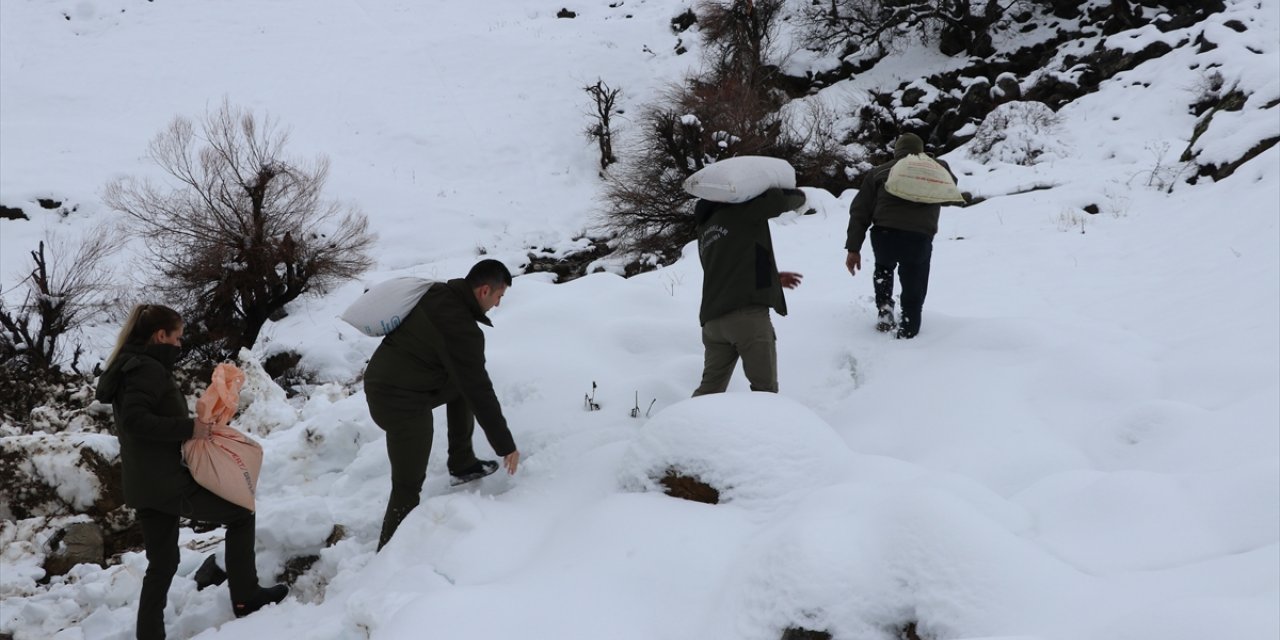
736 249
439 348
875 205
151 422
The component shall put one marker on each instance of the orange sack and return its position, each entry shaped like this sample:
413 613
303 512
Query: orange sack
227 462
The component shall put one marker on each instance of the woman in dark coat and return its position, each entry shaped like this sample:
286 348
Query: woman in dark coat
152 422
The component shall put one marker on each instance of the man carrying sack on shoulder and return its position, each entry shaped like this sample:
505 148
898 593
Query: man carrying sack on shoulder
900 206
436 356
741 283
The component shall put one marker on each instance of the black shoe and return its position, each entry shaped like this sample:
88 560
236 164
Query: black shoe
885 321
209 574
264 597
479 470
906 334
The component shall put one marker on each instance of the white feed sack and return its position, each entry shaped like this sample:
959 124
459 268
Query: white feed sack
383 307
740 179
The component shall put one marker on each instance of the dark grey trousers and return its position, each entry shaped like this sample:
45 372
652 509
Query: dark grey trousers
748 334
409 426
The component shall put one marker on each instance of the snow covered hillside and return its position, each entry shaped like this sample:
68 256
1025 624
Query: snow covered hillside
1082 443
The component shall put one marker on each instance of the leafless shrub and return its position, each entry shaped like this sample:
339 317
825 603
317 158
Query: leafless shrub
238 231
605 102
1020 132
646 208
733 109
68 285
876 26
740 35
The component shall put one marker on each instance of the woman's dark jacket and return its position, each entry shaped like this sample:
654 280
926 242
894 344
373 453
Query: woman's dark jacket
151 422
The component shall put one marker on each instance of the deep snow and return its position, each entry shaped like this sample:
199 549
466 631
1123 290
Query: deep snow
1082 443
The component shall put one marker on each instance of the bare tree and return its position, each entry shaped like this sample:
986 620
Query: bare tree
605 101
733 109
68 285
960 26
741 36
646 208
239 231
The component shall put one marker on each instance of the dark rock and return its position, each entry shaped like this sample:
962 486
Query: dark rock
977 101
124 532
799 633
77 543
26 493
49 203
909 632
1204 44
1007 89
281 364
1223 171
12 213
682 22
338 534
911 97
565 13
296 566
1235 25
568 266
1233 101
1092 209
1066 8
678 485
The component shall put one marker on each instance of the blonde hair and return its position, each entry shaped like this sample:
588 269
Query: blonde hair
143 321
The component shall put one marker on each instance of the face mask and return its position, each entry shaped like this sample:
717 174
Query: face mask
167 354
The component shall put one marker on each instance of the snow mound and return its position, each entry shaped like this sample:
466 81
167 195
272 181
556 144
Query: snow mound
1022 133
755 448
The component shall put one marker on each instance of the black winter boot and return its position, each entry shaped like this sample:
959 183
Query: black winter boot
885 321
264 597
481 469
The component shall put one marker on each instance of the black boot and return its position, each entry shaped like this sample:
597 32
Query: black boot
885 321
264 597
479 470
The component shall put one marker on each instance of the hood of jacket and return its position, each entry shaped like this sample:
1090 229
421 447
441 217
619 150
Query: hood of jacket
127 360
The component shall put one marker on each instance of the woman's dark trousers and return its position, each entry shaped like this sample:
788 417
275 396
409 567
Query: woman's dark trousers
160 533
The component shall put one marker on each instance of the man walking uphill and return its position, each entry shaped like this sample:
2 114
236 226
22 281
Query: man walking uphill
902 239
740 284
435 357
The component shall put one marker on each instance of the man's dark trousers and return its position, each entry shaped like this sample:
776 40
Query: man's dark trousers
907 252
409 426
160 534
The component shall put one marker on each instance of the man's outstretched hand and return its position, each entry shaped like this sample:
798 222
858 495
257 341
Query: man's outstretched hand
511 461
790 279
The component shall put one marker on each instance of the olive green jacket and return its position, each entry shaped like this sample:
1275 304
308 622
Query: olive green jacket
736 249
875 205
151 422
440 348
